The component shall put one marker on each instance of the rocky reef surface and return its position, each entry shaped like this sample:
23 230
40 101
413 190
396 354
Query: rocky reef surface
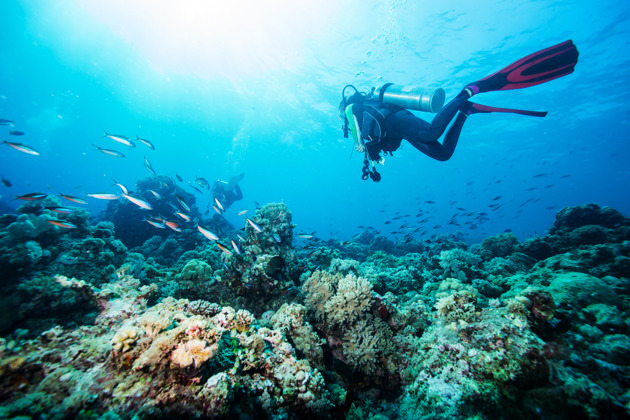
370 328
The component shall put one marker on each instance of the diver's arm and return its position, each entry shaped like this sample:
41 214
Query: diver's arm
353 125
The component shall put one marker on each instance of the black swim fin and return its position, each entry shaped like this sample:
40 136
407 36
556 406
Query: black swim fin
539 67
475 108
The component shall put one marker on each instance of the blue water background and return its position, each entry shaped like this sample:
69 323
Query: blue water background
254 89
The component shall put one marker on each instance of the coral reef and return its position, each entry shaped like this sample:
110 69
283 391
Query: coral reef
180 327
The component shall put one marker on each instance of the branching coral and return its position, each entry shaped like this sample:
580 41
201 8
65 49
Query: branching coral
352 299
244 320
290 320
361 347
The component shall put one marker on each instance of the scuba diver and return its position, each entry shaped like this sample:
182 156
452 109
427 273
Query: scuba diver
227 192
380 120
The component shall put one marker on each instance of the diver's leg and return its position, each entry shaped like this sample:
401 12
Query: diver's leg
444 151
407 126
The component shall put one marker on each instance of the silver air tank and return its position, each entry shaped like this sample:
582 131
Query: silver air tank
411 97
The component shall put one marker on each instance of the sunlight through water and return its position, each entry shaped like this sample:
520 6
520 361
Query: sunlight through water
239 37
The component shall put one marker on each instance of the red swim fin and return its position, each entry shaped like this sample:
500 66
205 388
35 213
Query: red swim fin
539 67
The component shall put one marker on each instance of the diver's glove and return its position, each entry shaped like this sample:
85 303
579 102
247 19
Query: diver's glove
359 147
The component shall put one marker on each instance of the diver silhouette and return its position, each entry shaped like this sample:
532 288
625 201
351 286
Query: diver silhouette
378 121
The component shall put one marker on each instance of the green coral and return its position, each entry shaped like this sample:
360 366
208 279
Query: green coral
196 270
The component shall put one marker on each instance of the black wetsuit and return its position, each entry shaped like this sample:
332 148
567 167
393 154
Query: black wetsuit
384 126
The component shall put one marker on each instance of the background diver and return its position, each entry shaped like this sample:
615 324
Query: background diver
228 192
379 121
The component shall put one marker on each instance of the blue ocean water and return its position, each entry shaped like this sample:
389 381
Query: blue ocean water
451 318
253 88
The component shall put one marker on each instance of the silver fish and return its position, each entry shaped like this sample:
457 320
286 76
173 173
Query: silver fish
146 142
138 202
109 152
22 148
120 139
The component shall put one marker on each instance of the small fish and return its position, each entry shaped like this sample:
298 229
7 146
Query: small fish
148 165
540 175
156 194
31 196
276 237
73 199
183 203
202 182
235 246
242 212
145 142
172 225
196 189
429 202
22 148
223 248
109 152
314 253
6 182
16 133
254 225
138 202
7 122
121 186
66 225
565 176
104 196
240 237
120 139
286 290
205 232
155 223
498 197
217 209
216 200
179 178
306 235
61 210
183 216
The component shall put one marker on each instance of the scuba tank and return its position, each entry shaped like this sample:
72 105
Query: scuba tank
411 97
